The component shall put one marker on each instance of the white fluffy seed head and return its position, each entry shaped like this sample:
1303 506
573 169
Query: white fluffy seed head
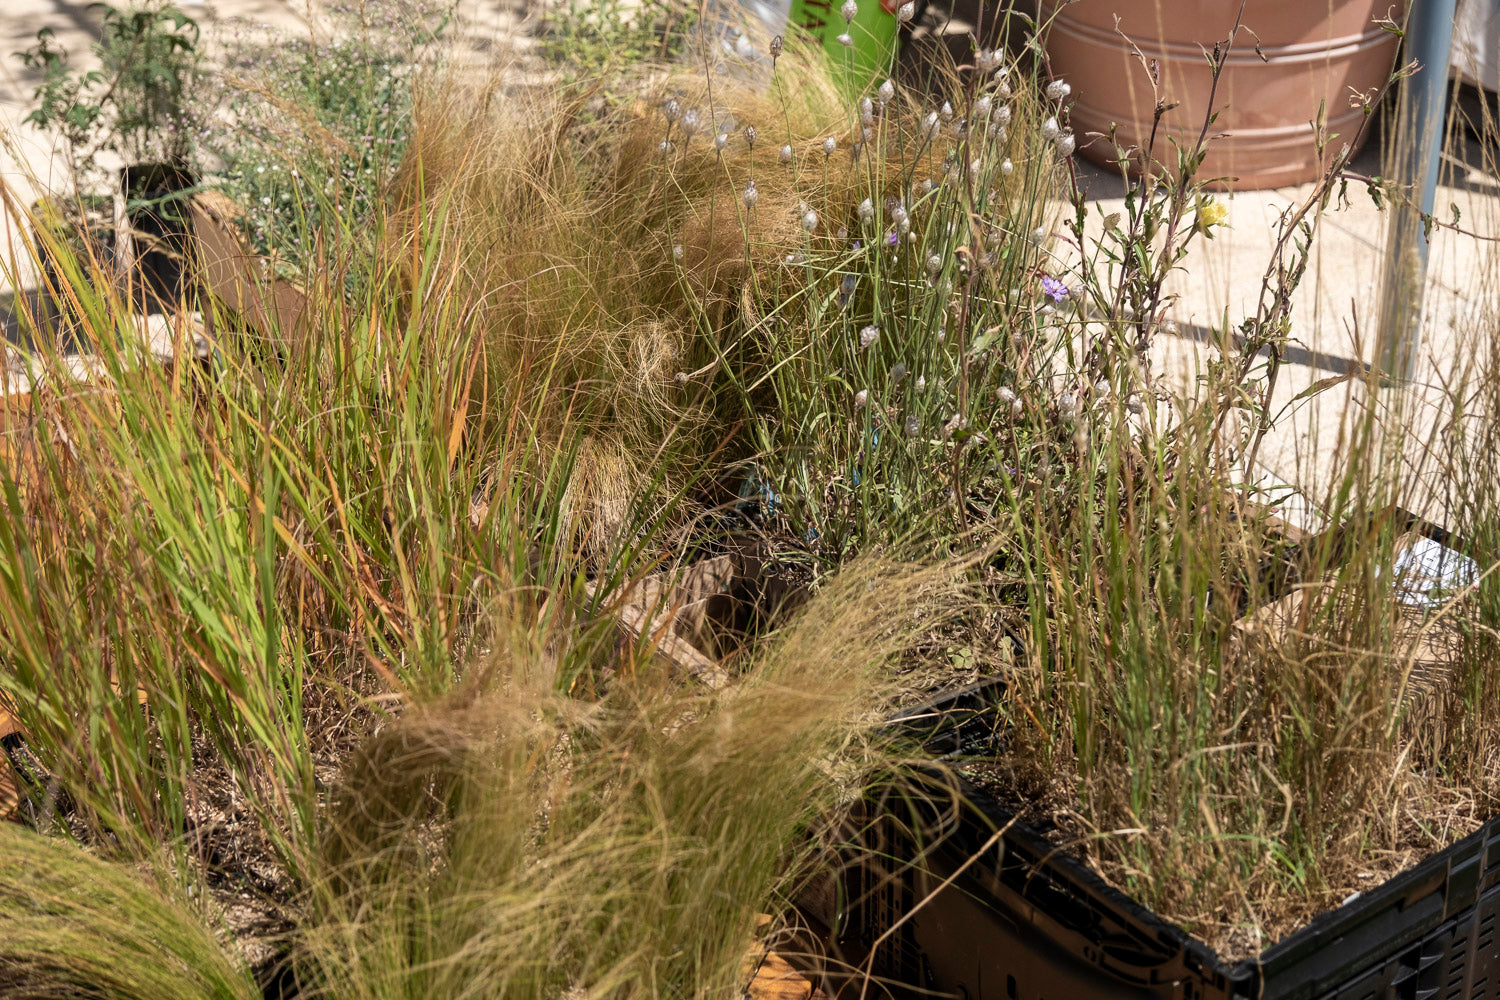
861 398
866 212
946 112
868 336
982 108
1002 115
1006 395
829 145
1057 90
850 10
671 110
913 427
1066 144
721 141
988 60
809 220
934 265
846 40
930 125
906 12
1007 168
677 252
1051 130
751 195
689 123
866 112
786 153
921 382
750 136
886 93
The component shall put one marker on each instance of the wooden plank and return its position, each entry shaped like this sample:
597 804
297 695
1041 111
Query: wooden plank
771 976
650 610
240 279
777 979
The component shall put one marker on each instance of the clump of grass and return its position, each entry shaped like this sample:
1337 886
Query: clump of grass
626 275
512 841
1260 752
560 328
72 925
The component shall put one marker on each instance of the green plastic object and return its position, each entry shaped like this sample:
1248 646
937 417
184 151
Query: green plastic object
871 52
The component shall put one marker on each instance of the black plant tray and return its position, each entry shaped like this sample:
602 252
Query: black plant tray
1024 920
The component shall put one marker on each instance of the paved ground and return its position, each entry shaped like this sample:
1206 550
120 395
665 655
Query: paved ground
1335 312
1335 316
27 161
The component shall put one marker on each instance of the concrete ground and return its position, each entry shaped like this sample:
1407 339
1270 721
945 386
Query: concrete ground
1335 312
31 162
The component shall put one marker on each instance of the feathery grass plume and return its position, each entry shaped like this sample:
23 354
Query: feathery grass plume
591 190
74 926
212 571
599 266
508 841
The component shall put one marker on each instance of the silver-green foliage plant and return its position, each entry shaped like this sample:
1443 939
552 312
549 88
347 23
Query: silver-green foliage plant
305 132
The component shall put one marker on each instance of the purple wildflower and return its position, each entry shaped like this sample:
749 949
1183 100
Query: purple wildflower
1054 288
893 239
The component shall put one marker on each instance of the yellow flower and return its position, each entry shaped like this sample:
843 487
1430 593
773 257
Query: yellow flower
1211 213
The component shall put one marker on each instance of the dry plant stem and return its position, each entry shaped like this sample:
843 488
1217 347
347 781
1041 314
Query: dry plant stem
1389 190
1147 318
1265 329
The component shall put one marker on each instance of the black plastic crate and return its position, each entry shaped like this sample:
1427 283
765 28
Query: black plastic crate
1022 920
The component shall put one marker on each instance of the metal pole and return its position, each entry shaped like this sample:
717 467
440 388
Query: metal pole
1417 150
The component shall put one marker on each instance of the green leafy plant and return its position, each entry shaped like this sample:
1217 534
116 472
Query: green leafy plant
307 131
135 104
584 39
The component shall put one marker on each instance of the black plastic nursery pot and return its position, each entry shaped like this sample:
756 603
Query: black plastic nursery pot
87 227
1004 913
156 206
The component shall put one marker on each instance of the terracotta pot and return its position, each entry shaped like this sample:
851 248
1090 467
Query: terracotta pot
1313 51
